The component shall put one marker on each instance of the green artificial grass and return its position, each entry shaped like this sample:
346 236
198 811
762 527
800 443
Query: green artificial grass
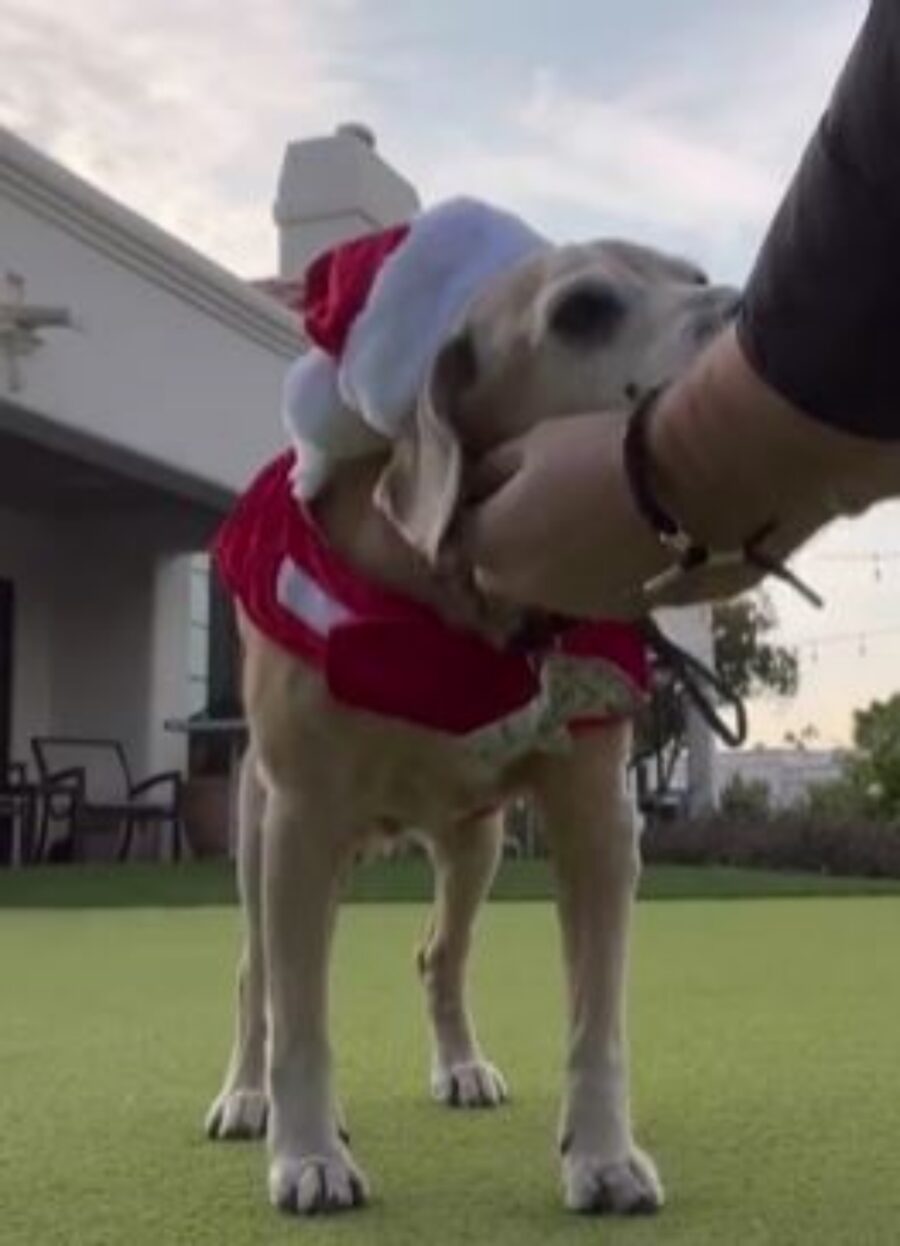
767 1080
202 883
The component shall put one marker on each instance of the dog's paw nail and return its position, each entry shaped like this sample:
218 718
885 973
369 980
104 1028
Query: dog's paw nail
474 1084
237 1115
317 1185
593 1186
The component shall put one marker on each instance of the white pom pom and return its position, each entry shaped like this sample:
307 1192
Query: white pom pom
322 427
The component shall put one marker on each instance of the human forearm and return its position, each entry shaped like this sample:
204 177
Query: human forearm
821 313
728 455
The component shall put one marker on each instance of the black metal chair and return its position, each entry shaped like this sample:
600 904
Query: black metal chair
18 810
86 784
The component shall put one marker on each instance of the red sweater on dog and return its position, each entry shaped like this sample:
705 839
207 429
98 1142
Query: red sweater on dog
383 653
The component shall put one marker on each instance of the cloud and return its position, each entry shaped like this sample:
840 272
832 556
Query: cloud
700 154
180 108
609 156
860 628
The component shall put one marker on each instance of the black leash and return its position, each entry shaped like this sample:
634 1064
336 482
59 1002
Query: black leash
701 684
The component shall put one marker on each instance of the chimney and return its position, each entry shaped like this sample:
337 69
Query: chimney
334 188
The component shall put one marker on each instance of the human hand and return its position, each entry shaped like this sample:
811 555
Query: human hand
550 521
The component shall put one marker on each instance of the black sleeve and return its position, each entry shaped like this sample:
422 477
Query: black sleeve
821 315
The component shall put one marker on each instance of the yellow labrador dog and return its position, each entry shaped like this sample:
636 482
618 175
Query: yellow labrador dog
572 329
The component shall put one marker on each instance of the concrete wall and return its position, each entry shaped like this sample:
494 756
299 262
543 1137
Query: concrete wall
173 359
103 607
101 635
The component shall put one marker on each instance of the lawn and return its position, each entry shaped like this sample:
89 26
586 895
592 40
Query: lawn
767 1081
199 884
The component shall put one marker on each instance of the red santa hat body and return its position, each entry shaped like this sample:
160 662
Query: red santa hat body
377 310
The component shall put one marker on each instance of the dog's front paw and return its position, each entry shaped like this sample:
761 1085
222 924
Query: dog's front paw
311 1185
469 1084
237 1115
595 1186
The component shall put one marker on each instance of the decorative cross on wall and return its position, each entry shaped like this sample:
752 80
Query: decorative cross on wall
19 324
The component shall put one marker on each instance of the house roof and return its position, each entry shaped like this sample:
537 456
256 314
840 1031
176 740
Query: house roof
44 187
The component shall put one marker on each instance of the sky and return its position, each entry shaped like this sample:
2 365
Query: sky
676 122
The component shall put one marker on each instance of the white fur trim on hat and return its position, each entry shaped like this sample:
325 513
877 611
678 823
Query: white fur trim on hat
418 298
321 426
340 409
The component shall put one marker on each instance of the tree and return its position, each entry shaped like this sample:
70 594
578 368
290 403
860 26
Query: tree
838 800
802 739
746 798
875 768
749 662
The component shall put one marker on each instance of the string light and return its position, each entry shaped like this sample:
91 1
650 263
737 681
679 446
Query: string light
859 555
859 638
874 558
878 560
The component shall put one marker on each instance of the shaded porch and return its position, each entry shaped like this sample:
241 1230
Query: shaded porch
105 613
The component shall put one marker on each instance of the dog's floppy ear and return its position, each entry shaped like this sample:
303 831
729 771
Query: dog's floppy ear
421 487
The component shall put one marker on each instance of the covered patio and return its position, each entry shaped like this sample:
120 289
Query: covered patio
98 632
139 390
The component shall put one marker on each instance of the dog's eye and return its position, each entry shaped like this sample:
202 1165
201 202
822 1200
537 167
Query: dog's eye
460 361
456 368
588 314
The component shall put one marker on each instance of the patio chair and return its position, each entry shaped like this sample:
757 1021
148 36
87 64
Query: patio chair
86 784
18 810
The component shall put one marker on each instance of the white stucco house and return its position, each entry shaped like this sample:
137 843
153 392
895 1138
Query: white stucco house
788 774
139 391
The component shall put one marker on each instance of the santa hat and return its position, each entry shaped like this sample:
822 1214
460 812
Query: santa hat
377 310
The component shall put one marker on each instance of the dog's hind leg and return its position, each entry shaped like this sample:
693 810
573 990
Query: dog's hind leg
591 826
239 1111
465 859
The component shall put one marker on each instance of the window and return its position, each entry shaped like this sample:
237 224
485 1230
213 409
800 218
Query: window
214 663
198 639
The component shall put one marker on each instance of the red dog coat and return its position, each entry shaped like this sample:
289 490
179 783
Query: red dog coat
383 653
